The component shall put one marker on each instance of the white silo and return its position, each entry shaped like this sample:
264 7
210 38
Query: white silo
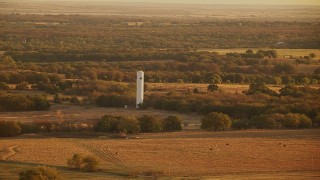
140 88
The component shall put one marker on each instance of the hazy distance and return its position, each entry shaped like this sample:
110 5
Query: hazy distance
250 2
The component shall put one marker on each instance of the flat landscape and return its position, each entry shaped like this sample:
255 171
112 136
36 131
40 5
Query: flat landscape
159 89
231 154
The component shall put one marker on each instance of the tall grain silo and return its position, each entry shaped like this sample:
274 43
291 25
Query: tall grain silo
140 88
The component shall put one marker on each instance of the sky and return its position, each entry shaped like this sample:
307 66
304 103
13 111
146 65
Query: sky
253 2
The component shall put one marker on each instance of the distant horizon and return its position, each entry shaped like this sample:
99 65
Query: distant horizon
221 2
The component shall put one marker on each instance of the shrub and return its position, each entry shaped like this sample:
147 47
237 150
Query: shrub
213 87
172 123
22 86
75 162
40 173
9 128
88 163
215 121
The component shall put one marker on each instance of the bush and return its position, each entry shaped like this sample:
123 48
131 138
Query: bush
75 162
172 123
213 87
9 128
22 86
40 173
88 163
215 121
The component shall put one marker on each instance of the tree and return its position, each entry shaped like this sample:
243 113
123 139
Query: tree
172 123
149 124
9 128
4 86
117 124
215 121
260 88
216 79
284 68
316 120
40 173
264 121
294 120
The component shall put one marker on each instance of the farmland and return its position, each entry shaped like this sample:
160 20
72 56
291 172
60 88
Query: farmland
230 91
194 154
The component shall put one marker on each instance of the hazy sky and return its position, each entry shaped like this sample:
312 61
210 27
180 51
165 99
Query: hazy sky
269 2
273 2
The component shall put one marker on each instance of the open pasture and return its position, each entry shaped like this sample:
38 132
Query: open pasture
196 154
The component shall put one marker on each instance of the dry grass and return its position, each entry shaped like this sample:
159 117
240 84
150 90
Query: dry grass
183 154
281 52
183 87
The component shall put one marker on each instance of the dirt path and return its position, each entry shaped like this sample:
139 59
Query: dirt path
8 152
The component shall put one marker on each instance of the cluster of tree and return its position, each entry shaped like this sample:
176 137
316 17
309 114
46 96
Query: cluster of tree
9 128
288 90
260 100
97 35
120 124
87 163
18 102
199 67
277 121
250 54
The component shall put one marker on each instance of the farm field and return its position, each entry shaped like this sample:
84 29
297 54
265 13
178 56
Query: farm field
230 154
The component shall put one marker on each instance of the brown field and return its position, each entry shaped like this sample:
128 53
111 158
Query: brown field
233 154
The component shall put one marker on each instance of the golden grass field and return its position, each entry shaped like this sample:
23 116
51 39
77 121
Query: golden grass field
233 154
281 52
183 87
